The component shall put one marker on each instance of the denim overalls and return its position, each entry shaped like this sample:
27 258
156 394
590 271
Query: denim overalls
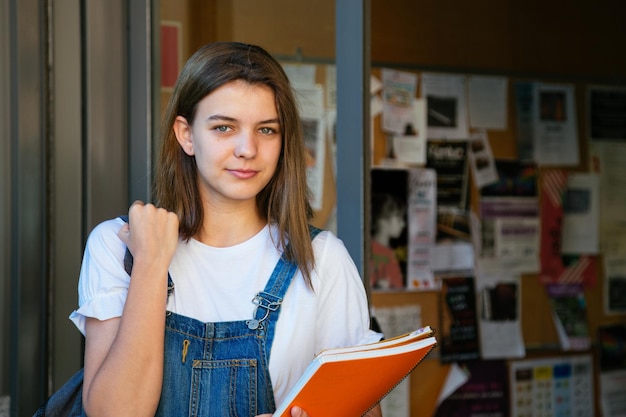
221 369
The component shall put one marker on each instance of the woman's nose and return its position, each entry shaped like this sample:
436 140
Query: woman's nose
245 146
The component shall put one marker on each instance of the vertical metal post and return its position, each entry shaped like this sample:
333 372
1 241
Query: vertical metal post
353 126
141 97
66 165
106 113
28 193
5 187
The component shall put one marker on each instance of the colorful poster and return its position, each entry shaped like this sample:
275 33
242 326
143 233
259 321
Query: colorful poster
399 89
486 392
569 310
453 253
389 231
557 386
458 339
556 267
509 220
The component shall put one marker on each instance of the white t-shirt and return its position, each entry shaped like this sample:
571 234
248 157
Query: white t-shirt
218 284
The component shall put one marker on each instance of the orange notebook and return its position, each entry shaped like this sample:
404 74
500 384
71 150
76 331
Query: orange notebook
350 381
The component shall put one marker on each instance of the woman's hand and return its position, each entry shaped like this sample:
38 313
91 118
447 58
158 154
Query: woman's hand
295 412
299 412
151 233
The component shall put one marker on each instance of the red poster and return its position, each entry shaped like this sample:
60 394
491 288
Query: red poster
170 53
557 268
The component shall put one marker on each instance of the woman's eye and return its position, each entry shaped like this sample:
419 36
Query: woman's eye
222 129
267 130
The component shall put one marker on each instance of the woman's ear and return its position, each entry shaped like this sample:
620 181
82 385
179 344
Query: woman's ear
182 130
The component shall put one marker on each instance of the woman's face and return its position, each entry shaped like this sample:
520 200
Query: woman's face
394 223
236 140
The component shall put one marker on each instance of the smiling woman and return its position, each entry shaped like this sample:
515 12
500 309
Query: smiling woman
230 224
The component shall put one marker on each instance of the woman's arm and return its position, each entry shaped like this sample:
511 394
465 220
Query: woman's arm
124 356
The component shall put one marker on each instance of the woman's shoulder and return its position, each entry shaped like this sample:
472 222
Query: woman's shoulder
103 241
106 232
326 243
332 259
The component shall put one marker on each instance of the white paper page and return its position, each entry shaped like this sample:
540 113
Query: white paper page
456 377
607 159
498 300
581 214
517 242
555 126
488 102
395 321
612 393
456 258
311 102
411 149
445 106
375 84
422 215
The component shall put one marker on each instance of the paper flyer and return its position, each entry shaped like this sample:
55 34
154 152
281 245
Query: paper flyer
482 163
422 218
499 312
446 105
485 392
389 231
581 214
612 353
569 310
555 126
458 338
614 291
556 267
313 122
554 386
410 146
509 220
399 89
395 321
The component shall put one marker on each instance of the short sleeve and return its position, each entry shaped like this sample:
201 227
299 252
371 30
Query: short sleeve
103 282
341 295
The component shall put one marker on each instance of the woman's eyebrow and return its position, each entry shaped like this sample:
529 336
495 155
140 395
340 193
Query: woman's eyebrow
221 117
269 121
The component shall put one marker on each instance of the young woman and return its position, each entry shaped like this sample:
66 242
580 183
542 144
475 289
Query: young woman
211 320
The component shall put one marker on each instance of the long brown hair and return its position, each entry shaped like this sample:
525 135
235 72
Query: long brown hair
285 200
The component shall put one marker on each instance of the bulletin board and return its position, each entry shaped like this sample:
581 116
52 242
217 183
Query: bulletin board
539 332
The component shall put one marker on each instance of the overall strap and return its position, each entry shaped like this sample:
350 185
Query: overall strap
128 264
269 300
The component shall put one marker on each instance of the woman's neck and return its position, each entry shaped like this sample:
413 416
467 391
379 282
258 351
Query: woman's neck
230 226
